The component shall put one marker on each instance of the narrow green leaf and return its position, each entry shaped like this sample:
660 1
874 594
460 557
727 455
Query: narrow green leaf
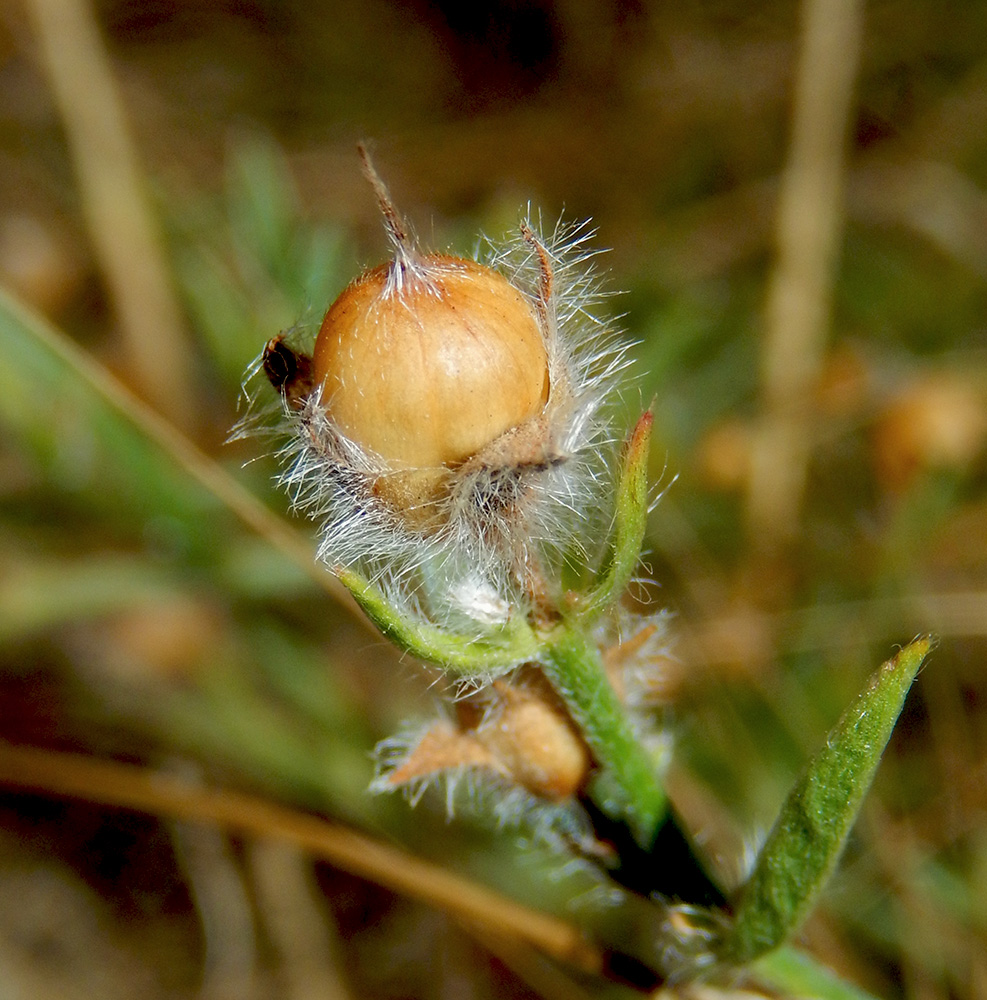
91 435
630 518
796 974
492 649
805 843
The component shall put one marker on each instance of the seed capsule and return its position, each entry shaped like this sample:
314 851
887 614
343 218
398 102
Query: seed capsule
428 360
448 423
519 731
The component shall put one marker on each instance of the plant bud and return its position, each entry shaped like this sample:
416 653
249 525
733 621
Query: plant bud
518 731
426 361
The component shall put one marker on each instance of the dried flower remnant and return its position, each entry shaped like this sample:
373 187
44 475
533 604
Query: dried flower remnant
516 731
639 664
288 372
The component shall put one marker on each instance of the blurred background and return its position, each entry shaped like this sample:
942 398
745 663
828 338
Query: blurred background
796 201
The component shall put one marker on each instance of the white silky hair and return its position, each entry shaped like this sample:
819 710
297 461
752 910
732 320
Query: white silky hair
463 565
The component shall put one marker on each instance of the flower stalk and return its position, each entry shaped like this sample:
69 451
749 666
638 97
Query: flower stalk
628 786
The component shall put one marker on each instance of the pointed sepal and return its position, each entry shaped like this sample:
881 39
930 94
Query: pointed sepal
490 649
630 519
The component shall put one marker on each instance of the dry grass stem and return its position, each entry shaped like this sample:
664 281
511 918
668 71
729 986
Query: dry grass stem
117 210
807 236
208 473
296 922
217 890
161 795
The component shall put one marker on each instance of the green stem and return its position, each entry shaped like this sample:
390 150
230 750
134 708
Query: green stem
629 787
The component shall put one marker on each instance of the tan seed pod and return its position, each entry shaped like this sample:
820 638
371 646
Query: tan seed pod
530 734
426 361
428 370
517 731
447 426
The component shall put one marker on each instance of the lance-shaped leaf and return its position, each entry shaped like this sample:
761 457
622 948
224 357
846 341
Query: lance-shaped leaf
630 517
805 843
496 648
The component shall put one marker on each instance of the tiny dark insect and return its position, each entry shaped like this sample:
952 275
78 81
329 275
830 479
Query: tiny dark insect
288 371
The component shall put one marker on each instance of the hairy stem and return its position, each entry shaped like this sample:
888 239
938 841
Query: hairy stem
629 787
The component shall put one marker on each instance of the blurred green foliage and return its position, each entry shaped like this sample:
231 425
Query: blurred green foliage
139 618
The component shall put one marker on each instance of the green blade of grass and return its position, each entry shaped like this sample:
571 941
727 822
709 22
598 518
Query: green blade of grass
793 973
94 435
42 593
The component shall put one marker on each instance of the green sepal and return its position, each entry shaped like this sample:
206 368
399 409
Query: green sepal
805 843
629 522
494 648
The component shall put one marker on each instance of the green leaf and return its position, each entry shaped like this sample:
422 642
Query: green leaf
805 843
492 649
630 518
793 973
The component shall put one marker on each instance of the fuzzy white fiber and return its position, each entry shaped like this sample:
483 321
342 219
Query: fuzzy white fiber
468 567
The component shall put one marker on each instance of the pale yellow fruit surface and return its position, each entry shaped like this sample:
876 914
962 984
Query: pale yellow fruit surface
428 371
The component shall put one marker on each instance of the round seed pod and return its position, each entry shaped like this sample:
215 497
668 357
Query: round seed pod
426 361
